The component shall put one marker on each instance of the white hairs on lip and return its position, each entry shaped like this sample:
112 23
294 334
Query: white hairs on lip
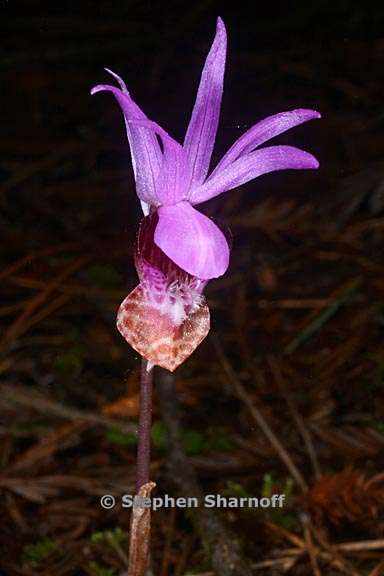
178 301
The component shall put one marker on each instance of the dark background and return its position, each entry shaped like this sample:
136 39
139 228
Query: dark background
304 291
323 55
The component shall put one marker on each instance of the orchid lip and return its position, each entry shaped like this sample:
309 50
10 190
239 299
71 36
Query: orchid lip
166 316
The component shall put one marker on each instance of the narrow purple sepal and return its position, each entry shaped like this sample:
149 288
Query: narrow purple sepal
251 166
201 132
145 150
171 185
262 132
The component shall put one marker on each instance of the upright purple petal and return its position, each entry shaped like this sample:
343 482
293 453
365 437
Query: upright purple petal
145 150
251 166
192 241
172 182
264 131
201 133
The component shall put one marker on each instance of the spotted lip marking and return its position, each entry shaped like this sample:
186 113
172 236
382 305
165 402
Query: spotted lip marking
155 336
166 316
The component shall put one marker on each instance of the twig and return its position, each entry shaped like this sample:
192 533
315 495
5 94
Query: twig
52 306
349 547
20 323
227 559
70 288
6 310
333 553
168 543
309 545
187 547
41 487
283 564
275 369
41 165
295 304
17 395
378 570
28 258
290 536
48 445
362 545
257 415
324 316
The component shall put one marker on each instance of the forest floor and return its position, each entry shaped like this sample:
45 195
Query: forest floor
296 347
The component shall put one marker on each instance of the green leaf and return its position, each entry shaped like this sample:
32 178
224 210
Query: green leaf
69 363
111 537
318 322
377 425
117 436
97 570
288 488
158 435
193 441
267 488
287 520
39 551
218 438
235 489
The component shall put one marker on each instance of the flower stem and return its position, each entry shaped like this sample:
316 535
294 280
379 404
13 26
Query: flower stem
145 422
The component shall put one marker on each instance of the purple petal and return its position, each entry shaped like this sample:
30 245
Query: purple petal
145 150
264 131
171 184
192 241
149 256
201 133
251 166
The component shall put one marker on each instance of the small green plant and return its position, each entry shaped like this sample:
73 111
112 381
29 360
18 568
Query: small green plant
97 570
235 489
70 362
194 441
270 485
378 425
113 537
267 488
281 516
37 552
218 438
117 436
158 435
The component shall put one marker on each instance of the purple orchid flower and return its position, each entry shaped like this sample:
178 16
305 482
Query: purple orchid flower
172 178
